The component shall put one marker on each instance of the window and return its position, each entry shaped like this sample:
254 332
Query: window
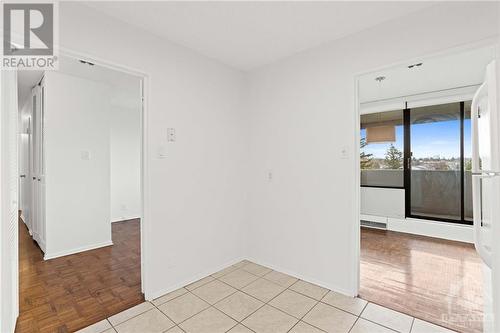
435 161
467 163
437 150
382 149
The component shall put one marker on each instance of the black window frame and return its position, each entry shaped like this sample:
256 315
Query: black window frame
407 158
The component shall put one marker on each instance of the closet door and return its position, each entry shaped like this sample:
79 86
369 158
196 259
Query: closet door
33 164
38 167
41 175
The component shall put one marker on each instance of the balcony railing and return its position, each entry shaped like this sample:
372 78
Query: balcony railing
433 192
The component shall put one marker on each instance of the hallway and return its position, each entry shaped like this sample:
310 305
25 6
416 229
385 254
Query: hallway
425 277
68 293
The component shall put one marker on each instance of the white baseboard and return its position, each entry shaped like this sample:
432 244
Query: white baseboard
158 293
437 229
444 230
124 218
48 256
42 245
374 218
305 278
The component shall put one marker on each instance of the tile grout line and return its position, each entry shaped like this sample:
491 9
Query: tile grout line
264 303
236 290
286 288
270 305
176 324
358 316
379 324
137 315
209 306
407 314
354 324
171 298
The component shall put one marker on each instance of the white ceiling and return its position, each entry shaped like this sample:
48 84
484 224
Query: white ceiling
249 34
438 73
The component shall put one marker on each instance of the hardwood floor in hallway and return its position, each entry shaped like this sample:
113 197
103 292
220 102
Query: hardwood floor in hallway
71 292
432 279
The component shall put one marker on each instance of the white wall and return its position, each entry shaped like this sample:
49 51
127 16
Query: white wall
387 202
302 117
24 162
197 194
77 188
9 286
125 149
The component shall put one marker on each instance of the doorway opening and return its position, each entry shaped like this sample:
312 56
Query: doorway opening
416 251
81 194
425 151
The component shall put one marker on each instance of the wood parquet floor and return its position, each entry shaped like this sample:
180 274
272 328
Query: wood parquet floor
432 279
68 293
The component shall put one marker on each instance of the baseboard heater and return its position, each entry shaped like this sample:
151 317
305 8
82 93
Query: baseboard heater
372 224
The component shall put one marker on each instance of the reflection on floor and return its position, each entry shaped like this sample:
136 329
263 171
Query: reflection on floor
432 279
71 292
247 298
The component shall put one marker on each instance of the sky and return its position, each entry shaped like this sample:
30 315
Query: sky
428 140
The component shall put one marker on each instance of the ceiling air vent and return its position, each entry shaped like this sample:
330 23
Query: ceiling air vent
415 65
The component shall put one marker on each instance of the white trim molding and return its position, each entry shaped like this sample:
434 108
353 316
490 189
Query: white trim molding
444 230
48 256
159 293
124 218
351 293
436 229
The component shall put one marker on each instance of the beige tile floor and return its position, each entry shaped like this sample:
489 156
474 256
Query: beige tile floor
247 297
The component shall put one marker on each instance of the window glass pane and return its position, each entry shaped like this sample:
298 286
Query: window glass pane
467 163
382 149
435 161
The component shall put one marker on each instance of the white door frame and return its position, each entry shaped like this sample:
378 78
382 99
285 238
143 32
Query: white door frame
145 184
357 117
144 147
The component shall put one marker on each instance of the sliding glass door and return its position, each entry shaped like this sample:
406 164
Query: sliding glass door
427 152
435 162
467 176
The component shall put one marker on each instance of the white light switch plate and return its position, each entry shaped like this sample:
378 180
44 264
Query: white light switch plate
171 134
344 152
85 155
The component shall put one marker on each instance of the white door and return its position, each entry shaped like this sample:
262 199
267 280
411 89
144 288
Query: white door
41 166
37 166
24 170
486 185
33 166
496 226
8 202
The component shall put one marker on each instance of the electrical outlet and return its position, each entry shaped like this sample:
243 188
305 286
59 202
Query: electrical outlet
162 152
171 134
344 153
270 175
